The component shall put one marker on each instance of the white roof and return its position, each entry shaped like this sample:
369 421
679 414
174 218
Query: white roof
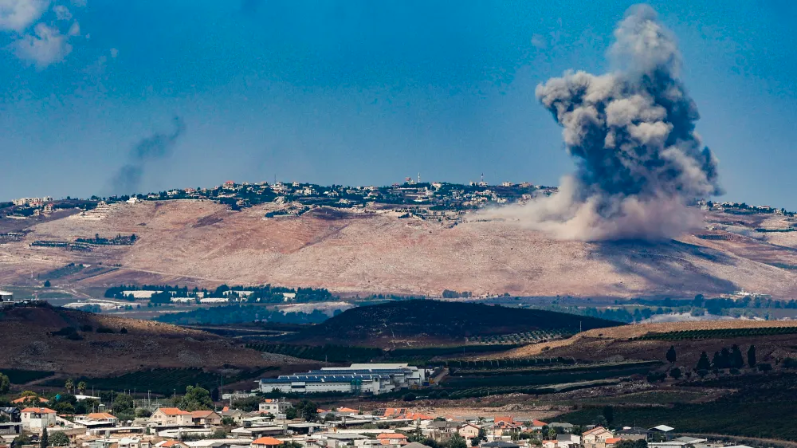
663 428
6 293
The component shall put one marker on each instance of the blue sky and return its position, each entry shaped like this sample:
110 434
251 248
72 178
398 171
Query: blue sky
362 92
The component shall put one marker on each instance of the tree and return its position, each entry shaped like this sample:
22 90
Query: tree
122 404
5 384
81 387
608 414
227 421
671 356
307 410
737 360
703 363
675 373
456 441
69 385
196 398
43 440
751 361
47 283
59 439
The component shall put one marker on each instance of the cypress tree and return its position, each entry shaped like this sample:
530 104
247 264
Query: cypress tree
751 361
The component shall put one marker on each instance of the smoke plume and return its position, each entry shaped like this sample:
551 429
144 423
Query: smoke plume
157 146
632 135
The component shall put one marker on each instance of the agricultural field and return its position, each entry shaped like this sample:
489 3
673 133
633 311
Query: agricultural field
721 333
354 354
528 337
465 383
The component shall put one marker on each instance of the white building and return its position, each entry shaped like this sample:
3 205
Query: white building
274 407
358 378
6 296
34 419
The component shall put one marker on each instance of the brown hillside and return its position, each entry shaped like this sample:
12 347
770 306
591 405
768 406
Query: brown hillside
203 243
28 343
616 342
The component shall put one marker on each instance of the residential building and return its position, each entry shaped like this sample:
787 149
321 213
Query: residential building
275 407
34 419
171 417
596 437
567 441
629 433
469 431
392 439
97 420
499 444
266 442
205 418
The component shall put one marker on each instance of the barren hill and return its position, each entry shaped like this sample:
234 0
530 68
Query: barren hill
203 243
45 338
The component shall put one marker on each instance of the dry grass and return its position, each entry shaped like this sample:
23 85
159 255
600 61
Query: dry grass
203 243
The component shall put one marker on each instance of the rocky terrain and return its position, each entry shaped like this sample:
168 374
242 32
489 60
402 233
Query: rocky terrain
198 242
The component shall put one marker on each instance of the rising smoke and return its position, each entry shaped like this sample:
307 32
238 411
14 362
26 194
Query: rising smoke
632 134
157 146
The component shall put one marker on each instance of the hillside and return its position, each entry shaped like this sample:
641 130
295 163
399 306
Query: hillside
204 243
68 342
426 322
651 341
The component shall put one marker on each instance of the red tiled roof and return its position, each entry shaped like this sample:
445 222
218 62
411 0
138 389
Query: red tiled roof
268 441
393 435
38 410
508 419
24 399
613 440
349 410
595 430
538 423
100 415
174 411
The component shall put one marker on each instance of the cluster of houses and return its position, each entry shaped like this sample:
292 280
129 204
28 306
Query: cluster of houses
268 427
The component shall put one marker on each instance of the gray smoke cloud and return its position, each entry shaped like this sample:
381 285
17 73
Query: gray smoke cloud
157 146
632 135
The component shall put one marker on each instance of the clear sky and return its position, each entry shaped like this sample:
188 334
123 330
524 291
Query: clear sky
362 92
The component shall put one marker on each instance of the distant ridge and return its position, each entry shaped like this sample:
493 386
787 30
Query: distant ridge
419 322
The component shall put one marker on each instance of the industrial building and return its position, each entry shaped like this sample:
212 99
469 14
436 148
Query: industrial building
358 378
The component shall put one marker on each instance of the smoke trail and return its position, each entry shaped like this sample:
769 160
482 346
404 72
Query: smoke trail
157 146
631 132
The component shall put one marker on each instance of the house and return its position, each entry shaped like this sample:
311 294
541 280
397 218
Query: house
266 442
610 442
536 425
236 415
171 444
629 433
171 417
680 442
132 442
274 407
469 431
205 418
97 420
549 444
34 419
31 399
503 426
567 440
392 439
596 437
